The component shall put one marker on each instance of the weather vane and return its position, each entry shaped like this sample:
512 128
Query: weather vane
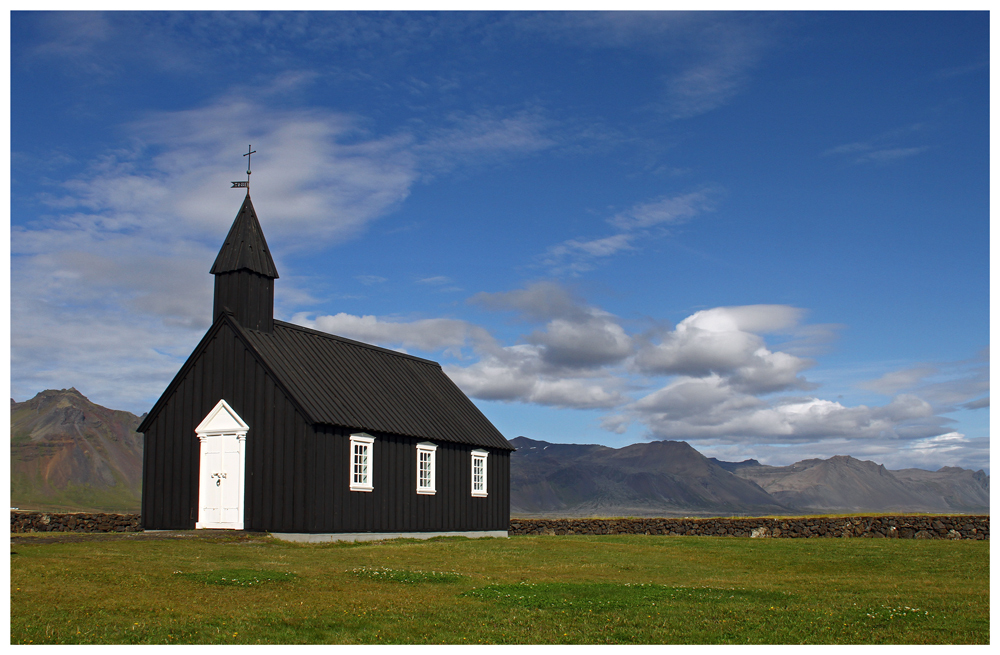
245 185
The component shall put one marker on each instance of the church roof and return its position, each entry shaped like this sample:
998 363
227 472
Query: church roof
342 382
245 247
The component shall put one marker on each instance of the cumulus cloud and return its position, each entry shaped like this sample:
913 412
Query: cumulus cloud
539 301
517 373
726 341
711 408
576 335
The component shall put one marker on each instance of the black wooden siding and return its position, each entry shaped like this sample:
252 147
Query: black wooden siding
394 504
250 296
297 474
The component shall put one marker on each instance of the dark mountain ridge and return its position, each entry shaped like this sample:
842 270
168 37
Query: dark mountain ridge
67 453
670 478
657 478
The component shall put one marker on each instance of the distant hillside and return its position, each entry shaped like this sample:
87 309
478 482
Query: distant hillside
657 478
844 483
66 453
670 478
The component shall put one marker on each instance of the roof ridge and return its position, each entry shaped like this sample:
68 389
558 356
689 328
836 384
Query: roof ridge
352 342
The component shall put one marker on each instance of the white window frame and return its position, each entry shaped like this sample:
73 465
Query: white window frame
480 455
367 442
427 448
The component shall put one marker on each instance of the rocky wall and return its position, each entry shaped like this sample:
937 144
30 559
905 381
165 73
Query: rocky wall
75 522
881 527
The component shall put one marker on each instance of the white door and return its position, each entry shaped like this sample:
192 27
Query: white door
222 465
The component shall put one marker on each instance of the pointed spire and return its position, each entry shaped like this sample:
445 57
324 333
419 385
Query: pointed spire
245 247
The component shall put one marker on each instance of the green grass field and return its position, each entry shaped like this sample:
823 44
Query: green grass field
522 590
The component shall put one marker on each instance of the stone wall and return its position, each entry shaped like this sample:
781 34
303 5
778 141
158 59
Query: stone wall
75 522
893 527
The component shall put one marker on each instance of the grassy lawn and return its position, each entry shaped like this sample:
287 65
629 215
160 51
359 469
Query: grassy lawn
522 590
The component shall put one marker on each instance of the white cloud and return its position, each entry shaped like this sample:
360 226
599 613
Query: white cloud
429 334
435 280
576 255
539 301
945 385
894 381
709 408
726 341
517 373
882 148
664 211
890 154
596 341
369 280
477 139
575 335
643 220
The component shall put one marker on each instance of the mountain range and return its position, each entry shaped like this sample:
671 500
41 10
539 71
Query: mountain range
69 454
670 478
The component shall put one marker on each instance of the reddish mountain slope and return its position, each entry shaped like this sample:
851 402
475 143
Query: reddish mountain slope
66 453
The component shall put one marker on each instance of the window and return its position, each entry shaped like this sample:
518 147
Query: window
362 447
425 467
479 472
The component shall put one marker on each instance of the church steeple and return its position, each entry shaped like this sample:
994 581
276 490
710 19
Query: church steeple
245 273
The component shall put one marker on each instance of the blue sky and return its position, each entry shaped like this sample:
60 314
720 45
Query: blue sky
766 234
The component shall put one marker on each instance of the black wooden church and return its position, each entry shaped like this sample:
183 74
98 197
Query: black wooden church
273 427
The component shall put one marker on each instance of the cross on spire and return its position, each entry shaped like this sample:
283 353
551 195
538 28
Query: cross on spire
241 184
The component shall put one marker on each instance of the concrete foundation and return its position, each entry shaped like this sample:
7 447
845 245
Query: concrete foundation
302 537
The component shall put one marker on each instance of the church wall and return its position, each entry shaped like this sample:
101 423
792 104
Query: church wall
394 505
275 483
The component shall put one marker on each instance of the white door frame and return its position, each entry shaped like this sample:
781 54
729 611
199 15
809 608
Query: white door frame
219 426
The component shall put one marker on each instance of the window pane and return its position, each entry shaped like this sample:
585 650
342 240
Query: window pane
424 469
360 463
477 474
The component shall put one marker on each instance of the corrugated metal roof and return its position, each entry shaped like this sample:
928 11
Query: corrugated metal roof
348 383
245 247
